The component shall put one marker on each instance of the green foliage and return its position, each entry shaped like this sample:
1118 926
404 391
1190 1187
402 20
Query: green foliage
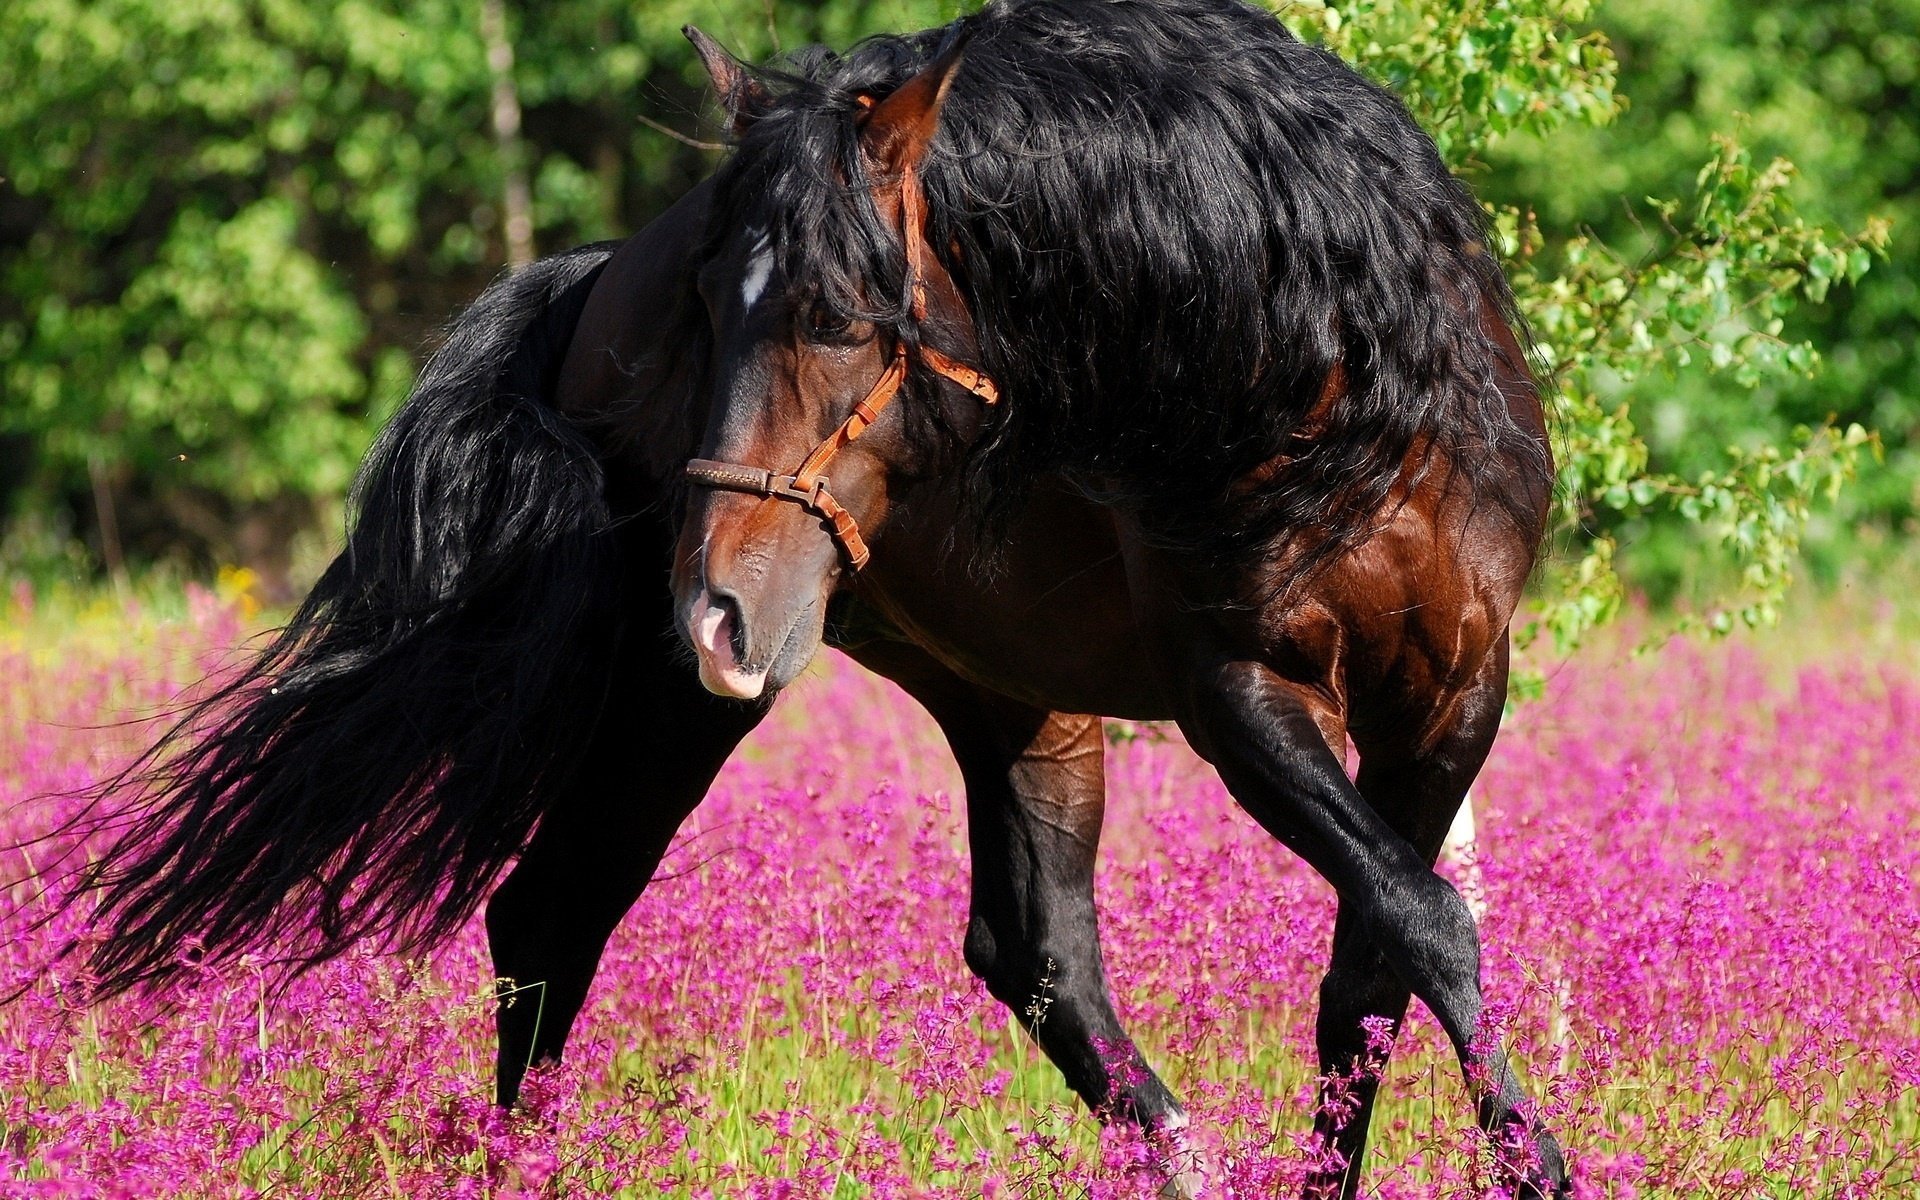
1723 271
227 361
1715 274
181 178
227 227
1829 87
1471 72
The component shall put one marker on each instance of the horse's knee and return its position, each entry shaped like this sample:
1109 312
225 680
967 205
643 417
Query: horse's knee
1434 942
1027 979
506 915
1348 993
990 962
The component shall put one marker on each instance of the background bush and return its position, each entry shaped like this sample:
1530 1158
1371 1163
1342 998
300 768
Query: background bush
228 229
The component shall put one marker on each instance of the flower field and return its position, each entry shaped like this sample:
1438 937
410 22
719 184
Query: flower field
1702 933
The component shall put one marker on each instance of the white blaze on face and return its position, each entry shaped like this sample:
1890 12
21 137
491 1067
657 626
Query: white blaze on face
759 270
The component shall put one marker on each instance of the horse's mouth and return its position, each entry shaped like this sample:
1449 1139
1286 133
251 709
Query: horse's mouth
716 643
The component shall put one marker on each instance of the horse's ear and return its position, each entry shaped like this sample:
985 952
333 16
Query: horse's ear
743 96
897 131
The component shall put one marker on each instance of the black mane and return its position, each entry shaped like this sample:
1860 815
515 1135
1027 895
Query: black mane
1174 222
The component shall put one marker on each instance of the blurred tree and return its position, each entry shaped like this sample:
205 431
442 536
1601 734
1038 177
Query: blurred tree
227 226
213 212
1831 87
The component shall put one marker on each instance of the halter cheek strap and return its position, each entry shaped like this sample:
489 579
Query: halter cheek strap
807 486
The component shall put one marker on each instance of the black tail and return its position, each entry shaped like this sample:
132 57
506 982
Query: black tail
370 773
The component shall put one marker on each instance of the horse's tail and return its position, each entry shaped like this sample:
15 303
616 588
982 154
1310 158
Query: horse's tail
371 771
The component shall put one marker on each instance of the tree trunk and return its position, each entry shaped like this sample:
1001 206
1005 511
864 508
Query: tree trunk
517 197
108 522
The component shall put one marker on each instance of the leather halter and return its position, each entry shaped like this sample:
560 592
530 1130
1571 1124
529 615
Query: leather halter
806 486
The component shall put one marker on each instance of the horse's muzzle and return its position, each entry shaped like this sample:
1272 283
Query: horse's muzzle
715 630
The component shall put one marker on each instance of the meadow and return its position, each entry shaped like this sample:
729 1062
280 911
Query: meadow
1702 936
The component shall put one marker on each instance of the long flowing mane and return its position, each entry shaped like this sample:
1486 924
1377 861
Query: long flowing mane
1225 282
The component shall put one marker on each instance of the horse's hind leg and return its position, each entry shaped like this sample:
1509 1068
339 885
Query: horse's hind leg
1401 928
660 743
1417 791
1036 797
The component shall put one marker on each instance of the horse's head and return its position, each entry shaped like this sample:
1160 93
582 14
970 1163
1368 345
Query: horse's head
832 389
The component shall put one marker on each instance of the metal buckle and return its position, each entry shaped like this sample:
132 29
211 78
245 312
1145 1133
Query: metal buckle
786 486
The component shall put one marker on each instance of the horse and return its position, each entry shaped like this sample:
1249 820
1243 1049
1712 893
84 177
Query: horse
441 707
1227 289
1165 374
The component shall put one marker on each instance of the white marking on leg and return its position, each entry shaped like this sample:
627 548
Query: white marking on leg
1181 1165
1460 835
1462 850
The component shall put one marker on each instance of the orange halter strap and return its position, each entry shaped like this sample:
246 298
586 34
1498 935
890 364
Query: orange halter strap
806 486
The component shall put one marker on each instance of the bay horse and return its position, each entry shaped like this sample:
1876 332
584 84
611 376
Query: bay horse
1164 373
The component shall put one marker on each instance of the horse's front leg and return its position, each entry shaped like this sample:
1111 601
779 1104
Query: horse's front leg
1402 928
660 743
1036 797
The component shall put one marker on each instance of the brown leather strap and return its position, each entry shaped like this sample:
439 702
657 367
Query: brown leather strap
807 486
864 414
730 477
912 217
814 497
971 378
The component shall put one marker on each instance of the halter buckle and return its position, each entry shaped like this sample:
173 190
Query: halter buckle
788 487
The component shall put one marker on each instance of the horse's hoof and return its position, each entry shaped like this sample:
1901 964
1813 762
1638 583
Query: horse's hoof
1183 1169
1546 1178
1559 1188
1184 1185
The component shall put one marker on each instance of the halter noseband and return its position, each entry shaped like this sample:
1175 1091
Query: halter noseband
807 487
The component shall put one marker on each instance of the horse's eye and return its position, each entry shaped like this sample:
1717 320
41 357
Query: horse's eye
823 320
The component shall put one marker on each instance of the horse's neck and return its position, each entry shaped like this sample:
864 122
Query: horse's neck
630 376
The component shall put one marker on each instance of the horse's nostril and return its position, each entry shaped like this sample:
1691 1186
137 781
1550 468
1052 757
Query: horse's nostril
721 645
714 626
717 626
